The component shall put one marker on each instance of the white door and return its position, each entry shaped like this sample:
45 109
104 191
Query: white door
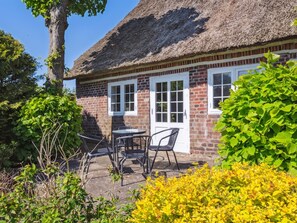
169 106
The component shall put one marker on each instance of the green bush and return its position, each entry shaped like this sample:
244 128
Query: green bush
243 194
259 121
8 140
46 195
40 114
60 198
18 82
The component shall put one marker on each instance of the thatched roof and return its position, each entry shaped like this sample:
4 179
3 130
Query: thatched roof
159 30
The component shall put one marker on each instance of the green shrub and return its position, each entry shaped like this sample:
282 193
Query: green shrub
18 82
243 194
46 195
8 115
40 114
60 198
259 121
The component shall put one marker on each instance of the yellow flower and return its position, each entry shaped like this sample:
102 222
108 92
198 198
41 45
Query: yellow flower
243 194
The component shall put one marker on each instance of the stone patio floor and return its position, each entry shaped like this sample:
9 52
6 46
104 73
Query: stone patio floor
99 181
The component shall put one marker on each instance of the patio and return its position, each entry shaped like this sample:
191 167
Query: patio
100 183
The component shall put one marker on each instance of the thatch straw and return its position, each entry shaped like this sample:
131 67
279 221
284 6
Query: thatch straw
160 30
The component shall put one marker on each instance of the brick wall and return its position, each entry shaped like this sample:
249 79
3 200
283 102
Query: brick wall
203 138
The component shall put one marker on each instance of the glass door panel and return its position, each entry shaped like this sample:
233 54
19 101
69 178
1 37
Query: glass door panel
161 102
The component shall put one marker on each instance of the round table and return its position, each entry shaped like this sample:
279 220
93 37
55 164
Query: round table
120 133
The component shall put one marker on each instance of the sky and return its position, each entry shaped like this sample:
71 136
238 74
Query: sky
81 34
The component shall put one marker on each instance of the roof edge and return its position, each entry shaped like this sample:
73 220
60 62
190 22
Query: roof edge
132 68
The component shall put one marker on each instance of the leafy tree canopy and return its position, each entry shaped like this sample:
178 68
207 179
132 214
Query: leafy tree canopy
55 13
79 7
17 69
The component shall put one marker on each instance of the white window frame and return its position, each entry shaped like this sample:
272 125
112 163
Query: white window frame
122 111
234 76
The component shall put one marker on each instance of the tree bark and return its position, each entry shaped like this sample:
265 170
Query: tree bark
57 25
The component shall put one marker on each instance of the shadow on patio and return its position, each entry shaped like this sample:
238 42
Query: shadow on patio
99 180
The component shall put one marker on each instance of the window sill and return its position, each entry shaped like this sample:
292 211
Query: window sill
214 112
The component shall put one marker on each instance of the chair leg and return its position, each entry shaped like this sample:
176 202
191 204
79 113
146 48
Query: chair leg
176 160
151 168
87 165
122 170
142 162
168 157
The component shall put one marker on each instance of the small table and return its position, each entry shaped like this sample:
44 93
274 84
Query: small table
120 133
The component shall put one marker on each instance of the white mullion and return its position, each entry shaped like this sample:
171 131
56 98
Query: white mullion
168 102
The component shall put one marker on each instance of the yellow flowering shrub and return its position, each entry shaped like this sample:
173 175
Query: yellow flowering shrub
242 194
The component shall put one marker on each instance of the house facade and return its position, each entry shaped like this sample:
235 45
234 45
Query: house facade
170 64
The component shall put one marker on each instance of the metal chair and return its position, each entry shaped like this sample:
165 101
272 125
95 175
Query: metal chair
136 149
171 136
92 147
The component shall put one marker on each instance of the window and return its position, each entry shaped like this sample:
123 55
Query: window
220 82
122 98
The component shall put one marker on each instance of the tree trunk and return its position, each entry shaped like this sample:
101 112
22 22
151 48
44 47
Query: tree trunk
57 25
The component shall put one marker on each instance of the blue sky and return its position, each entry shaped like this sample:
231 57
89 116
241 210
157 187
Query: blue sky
81 34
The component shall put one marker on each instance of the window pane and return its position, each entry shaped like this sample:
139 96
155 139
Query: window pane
173 107
113 107
126 106
164 87
158 117
217 79
164 117
131 106
159 97
227 78
216 102
180 96
115 89
180 85
226 90
217 91
118 108
113 98
173 96
173 85
158 87
118 100
164 97
158 105
127 98
173 117
180 117
164 107
132 97
180 107
127 88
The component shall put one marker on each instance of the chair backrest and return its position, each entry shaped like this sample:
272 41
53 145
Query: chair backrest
124 127
173 137
91 142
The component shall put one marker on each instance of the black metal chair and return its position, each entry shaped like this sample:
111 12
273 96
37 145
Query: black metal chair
171 136
135 148
93 146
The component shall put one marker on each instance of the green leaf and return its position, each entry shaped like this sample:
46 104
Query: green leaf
283 138
233 142
287 108
252 150
292 148
278 163
271 57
